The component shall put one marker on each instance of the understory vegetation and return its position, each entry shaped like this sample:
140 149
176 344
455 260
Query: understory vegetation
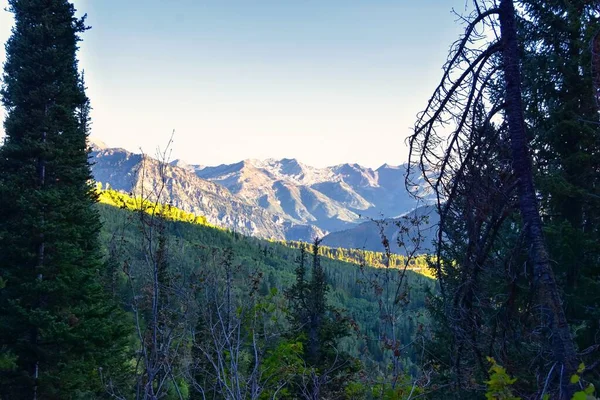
267 288
109 295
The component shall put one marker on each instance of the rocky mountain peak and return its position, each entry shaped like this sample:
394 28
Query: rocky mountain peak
274 198
356 175
96 144
389 166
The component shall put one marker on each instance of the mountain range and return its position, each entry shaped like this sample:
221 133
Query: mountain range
277 199
412 233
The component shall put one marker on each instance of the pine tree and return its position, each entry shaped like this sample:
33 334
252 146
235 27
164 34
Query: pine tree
317 301
502 288
562 113
298 294
319 327
54 314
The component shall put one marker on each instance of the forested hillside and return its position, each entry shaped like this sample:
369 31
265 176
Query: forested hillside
261 271
416 261
152 291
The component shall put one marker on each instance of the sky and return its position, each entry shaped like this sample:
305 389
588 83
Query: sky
323 81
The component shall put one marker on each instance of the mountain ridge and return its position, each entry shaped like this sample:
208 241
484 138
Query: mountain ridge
280 199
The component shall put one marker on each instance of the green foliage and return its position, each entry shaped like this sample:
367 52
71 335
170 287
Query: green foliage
168 212
403 389
55 320
273 267
565 126
7 359
8 362
371 258
355 256
487 306
498 386
588 392
318 326
283 364
276 262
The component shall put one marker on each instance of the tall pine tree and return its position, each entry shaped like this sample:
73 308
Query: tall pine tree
562 113
54 316
503 292
319 327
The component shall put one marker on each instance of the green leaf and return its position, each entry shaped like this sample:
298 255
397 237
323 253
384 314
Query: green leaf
580 396
590 389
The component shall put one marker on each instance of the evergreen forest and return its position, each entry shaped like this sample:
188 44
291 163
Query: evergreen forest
111 295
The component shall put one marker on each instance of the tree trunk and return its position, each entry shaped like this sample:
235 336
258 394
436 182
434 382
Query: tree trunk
563 348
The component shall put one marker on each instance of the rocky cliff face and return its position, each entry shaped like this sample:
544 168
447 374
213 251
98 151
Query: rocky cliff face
280 199
141 175
332 197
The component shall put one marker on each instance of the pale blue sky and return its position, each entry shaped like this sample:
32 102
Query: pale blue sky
324 81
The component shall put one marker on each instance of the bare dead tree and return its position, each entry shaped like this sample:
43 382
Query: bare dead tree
234 329
160 302
390 286
480 87
206 326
